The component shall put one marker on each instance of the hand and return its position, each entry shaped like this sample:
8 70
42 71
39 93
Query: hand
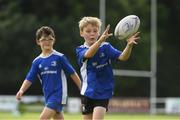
19 95
133 39
105 34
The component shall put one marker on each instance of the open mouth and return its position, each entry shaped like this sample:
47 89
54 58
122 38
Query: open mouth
92 39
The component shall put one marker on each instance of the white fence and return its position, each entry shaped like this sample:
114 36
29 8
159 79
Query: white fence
116 105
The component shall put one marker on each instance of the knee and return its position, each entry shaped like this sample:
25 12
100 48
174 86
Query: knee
43 117
58 116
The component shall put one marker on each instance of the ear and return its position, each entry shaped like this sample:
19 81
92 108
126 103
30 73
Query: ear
81 34
37 42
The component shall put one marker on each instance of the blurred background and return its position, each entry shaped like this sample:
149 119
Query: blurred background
19 20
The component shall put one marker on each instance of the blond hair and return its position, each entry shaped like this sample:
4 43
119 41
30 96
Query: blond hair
89 20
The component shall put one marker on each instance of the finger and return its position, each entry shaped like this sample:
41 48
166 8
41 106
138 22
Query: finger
18 95
137 33
107 28
18 98
137 38
135 42
110 34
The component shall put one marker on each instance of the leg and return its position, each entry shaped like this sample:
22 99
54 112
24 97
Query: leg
87 117
58 116
98 113
47 114
87 108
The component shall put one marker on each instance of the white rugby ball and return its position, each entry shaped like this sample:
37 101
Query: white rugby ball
127 27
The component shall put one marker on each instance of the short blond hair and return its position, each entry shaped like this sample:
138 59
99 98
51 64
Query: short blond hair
89 20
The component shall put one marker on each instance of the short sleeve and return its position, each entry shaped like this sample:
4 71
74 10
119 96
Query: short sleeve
66 66
33 72
113 52
80 51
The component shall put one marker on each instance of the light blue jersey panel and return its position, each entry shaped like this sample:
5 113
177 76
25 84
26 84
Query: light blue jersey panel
51 72
96 72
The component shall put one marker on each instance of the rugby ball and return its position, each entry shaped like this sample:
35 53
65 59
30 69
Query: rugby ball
127 27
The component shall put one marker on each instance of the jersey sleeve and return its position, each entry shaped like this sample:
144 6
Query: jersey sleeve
113 52
80 51
66 66
33 72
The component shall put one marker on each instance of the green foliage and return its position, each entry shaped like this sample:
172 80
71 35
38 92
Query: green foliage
19 20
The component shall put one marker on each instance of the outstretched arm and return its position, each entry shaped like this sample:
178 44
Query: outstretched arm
130 42
76 79
26 84
93 49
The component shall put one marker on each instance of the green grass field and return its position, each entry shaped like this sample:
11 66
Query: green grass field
35 116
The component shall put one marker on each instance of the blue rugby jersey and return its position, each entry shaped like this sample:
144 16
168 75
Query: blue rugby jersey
51 72
96 72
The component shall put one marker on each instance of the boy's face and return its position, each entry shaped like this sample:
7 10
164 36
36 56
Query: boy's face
90 33
46 43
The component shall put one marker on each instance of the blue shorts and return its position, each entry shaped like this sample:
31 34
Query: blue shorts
55 106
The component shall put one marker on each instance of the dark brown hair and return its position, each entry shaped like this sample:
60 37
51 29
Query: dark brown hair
44 31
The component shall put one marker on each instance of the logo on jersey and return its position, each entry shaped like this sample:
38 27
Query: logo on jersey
53 63
94 63
46 68
102 55
40 66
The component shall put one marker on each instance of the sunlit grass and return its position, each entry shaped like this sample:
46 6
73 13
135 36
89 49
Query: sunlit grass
35 116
